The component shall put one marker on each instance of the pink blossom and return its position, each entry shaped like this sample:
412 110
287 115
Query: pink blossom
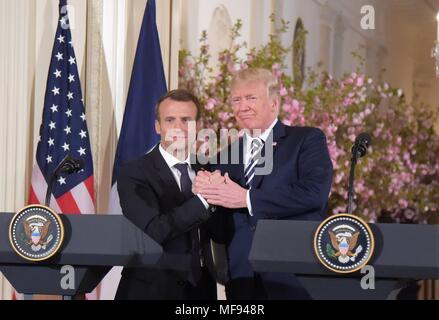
339 209
210 105
409 214
224 116
352 137
231 67
339 177
333 152
275 67
347 102
283 92
286 107
403 203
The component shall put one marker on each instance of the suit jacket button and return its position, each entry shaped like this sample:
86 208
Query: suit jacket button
253 228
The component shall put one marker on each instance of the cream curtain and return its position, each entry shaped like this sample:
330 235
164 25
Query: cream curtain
105 37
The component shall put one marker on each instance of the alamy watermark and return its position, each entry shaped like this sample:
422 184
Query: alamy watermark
225 150
67 20
368 17
67 281
368 280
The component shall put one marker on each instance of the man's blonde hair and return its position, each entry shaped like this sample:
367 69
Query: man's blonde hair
257 75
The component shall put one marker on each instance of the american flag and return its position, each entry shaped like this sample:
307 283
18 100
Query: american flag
63 131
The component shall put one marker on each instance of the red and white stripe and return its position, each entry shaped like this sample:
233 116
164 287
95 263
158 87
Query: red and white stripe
79 200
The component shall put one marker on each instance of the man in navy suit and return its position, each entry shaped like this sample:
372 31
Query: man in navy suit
280 172
156 195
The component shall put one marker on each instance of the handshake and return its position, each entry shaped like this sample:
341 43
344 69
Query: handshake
219 190
206 178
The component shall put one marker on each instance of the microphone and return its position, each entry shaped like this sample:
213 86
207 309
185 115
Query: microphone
362 142
67 166
359 150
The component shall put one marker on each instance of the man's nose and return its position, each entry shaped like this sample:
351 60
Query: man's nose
244 106
180 125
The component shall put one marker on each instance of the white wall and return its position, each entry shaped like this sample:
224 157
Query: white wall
319 18
198 15
309 12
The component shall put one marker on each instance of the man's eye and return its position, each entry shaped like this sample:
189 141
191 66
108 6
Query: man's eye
253 99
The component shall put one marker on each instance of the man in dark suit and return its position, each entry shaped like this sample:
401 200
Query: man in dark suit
273 172
156 195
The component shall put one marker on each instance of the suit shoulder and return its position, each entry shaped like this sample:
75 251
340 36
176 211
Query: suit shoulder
305 131
135 166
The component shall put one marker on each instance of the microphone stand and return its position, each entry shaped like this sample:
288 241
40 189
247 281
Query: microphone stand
351 192
67 165
49 188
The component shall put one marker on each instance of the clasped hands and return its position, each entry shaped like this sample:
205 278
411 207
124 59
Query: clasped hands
219 190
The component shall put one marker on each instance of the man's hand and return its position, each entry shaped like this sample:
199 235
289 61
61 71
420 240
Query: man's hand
228 195
205 178
217 178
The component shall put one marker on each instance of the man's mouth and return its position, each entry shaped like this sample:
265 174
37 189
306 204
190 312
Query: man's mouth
246 117
178 138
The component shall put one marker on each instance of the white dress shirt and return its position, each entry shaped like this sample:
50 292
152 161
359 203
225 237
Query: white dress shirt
171 161
247 154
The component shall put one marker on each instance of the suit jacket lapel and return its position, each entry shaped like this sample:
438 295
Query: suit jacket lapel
275 138
166 175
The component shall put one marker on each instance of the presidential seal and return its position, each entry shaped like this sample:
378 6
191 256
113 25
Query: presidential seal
36 233
344 243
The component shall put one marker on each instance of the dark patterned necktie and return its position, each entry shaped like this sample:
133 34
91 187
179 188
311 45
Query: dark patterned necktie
186 189
185 180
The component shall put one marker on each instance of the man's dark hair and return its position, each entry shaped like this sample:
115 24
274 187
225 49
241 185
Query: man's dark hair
179 95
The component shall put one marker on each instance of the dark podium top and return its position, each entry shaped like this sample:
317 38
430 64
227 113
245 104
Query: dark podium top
403 253
93 244
401 250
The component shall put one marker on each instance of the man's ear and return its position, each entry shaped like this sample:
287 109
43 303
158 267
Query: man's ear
275 103
158 129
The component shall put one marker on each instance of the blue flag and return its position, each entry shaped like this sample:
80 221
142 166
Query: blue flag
147 85
138 134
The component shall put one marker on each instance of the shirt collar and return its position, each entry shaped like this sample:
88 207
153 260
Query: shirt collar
170 160
263 136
